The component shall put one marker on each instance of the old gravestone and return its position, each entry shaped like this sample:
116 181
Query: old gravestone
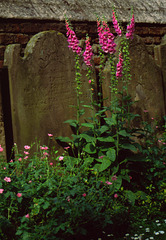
42 87
146 87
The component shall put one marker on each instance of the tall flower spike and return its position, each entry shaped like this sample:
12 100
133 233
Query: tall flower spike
106 38
116 24
119 66
88 53
72 39
130 28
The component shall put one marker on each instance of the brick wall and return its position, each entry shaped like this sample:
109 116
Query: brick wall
20 31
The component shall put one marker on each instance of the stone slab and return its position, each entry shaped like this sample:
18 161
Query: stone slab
153 11
147 83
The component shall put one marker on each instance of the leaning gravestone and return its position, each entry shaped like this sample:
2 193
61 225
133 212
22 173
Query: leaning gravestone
146 86
42 87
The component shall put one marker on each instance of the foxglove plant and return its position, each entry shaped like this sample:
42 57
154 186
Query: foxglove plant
116 24
72 39
119 67
106 38
88 53
130 28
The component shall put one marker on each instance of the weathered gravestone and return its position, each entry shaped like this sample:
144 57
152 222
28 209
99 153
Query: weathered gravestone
160 57
42 87
146 86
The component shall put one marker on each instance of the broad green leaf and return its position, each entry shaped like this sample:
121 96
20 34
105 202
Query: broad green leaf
111 154
103 129
106 139
103 166
129 146
72 123
89 125
111 121
89 148
87 137
124 133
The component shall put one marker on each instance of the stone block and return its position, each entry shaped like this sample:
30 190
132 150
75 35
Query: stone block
42 87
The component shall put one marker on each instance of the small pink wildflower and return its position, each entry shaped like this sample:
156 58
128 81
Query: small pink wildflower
45 153
68 198
11 160
1 190
30 181
152 118
114 178
109 183
19 194
27 215
20 159
119 66
1 149
26 157
145 111
130 177
4 168
50 135
130 28
100 157
164 163
7 179
44 148
88 53
51 163
116 24
164 143
27 147
66 148
84 194
157 126
26 152
61 158
90 81
115 195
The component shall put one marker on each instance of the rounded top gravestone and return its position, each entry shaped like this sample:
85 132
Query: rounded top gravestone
42 87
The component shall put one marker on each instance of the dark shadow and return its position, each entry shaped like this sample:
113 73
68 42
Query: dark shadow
6 108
